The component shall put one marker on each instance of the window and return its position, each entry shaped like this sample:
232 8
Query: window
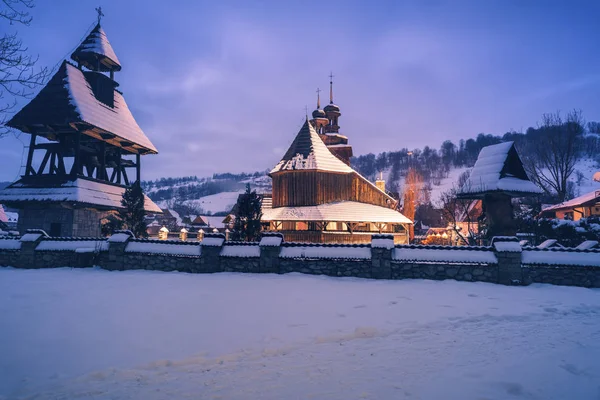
55 229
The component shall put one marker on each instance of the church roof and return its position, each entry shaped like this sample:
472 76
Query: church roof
80 190
498 169
96 53
308 152
68 98
341 211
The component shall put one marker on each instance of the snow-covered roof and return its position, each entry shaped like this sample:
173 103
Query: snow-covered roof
211 221
308 152
577 201
342 211
79 190
68 98
498 169
96 47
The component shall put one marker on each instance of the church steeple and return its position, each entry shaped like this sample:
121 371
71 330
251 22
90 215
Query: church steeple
95 52
332 111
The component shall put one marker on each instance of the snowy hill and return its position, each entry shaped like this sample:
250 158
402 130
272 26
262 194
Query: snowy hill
207 195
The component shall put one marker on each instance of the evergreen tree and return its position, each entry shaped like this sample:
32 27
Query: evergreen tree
247 216
133 213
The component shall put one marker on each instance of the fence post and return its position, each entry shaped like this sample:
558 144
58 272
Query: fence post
270 247
211 246
381 256
508 252
29 241
116 250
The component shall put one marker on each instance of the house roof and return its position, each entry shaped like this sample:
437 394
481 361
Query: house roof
68 98
210 221
591 197
96 53
308 152
498 169
342 211
79 190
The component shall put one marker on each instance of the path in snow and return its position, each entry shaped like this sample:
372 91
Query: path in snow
137 334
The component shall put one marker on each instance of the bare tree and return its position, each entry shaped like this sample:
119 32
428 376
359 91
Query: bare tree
18 73
456 210
550 165
413 196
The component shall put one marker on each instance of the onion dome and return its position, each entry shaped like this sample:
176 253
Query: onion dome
319 113
331 108
96 53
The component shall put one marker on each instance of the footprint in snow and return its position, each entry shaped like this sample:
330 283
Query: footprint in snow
391 303
473 295
361 306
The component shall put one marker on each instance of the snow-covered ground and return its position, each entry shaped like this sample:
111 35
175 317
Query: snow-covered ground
94 334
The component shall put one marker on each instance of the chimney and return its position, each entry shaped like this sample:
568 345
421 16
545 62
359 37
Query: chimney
380 183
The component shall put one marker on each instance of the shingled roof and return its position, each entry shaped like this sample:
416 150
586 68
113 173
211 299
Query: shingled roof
96 53
498 169
68 98
308 152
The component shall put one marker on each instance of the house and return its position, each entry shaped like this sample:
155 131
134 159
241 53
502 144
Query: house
584 206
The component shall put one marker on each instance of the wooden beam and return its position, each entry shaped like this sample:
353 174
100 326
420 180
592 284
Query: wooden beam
138 168
29 169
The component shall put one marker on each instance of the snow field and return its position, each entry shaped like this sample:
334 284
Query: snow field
90 333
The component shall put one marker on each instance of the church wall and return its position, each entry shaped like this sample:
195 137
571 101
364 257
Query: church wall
310 188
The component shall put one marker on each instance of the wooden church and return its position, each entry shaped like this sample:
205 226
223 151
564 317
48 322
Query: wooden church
317 197
85 146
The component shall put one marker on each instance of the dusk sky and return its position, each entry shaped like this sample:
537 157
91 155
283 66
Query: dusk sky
222 86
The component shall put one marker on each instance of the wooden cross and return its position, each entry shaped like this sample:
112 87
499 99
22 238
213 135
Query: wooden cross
100 14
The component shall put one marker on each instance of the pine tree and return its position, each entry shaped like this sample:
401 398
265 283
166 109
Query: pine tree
247 216
133 213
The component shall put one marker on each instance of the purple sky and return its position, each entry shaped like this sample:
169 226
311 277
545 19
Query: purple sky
221 86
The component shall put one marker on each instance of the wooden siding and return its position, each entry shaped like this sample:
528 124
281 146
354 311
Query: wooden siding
311 188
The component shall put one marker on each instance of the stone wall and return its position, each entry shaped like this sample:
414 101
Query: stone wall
503 262
74 222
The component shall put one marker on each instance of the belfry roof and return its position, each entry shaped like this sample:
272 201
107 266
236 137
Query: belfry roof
68 98
96 53
498 169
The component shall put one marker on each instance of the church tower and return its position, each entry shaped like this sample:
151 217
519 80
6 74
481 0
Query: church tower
85 146
325 122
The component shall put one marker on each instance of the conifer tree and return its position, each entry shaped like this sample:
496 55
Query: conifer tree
247 216
133 212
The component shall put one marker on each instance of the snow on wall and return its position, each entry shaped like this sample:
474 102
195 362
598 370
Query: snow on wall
163 248
10 244
451 255
233 250
348 252
560 257
271 241
30 237
382 243
72 245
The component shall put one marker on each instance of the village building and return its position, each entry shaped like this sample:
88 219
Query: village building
318 197
85 146
584 206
